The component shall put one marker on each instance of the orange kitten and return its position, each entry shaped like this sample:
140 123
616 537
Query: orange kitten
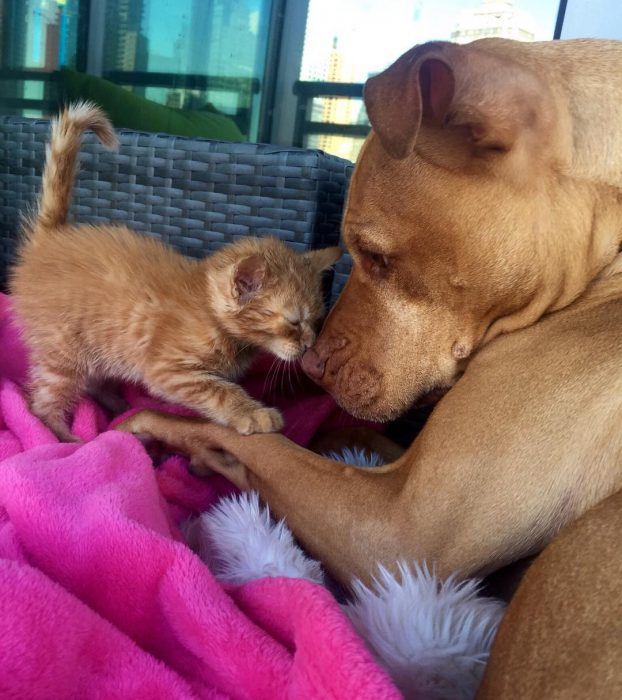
102 302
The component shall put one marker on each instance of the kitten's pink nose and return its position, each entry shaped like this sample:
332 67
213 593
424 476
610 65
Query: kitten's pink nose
313 364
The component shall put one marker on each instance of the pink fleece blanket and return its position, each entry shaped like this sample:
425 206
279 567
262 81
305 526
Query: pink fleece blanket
101 598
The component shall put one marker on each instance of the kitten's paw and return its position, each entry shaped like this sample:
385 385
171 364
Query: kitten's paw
260 420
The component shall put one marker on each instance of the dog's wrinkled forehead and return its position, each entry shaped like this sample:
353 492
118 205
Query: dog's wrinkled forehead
457 105
419 203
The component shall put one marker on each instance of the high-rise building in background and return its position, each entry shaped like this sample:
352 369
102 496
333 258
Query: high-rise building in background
351 55
494 18
332 67
51 42
13 33
60 34
126 47
68 33
42 18
174 99
37 35
335 110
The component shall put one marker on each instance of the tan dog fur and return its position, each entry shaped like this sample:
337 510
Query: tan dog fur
562 634
484 220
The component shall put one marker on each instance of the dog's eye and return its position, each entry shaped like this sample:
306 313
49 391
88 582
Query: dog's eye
375 263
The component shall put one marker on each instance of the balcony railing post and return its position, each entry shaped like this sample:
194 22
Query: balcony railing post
302 106
306 91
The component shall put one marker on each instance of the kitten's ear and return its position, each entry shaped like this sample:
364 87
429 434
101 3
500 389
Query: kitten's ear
249 277
323 258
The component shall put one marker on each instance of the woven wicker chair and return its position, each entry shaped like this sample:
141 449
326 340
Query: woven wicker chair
196 195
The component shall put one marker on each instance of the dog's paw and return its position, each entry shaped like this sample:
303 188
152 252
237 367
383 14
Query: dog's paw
138 424
259 420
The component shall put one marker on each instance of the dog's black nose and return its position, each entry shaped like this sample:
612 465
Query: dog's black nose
313 364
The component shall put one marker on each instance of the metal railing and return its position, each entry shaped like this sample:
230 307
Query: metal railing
11 101
306 92
244 88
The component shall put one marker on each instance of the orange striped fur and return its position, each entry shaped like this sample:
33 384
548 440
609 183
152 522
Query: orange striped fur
104 303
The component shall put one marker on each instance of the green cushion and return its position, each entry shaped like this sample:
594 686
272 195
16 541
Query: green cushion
130 111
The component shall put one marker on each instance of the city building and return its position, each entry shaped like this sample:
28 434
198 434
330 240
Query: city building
333 68
494 18
13 33
125 49
336 110
60 32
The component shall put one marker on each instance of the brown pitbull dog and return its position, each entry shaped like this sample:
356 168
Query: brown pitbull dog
484 220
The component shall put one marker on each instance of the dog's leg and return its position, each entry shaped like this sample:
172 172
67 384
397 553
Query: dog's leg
468 506
295 483
349 518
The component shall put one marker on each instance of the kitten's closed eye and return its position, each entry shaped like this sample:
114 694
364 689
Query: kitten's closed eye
292 317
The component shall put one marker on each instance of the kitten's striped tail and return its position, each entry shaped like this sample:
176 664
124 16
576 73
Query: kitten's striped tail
61 162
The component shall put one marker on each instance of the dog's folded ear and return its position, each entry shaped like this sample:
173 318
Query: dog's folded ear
485 100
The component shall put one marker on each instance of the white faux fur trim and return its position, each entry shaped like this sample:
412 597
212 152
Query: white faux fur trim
240 542
432 636
356 456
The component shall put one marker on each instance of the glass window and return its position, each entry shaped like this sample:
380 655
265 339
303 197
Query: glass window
284 71
348 41
194 67
36 38
193 55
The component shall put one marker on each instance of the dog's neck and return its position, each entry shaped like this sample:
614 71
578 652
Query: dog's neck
587 142
586 82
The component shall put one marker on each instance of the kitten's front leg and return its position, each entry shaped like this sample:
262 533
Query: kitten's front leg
216 398
53 393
